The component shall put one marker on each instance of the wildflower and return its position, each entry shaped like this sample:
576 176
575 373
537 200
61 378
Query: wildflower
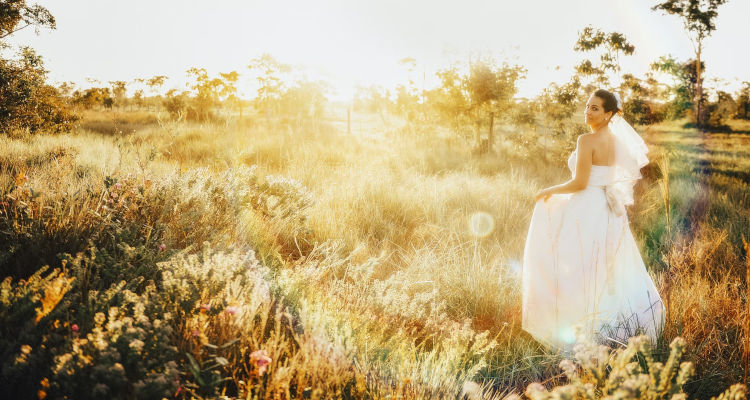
231 310
162 247
261 360
196 332
205 307
118 186
74 328
99 318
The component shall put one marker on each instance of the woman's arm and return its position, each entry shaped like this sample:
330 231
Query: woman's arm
584 155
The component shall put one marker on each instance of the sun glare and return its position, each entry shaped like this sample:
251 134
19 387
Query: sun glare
481 224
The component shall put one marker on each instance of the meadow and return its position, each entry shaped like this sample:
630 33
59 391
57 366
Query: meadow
149 258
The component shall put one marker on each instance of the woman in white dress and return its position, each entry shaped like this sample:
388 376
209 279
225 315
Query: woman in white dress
583 276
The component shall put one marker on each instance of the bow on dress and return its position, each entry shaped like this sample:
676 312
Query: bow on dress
616 196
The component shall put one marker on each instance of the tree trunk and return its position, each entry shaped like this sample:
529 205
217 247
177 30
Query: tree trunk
698 105
478 133
491 137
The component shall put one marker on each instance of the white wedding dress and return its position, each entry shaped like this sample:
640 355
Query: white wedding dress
582 267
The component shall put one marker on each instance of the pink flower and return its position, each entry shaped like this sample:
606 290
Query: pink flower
162 247
261 360
231 310
196 333
74 327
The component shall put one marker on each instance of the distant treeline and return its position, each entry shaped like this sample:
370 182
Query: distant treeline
471 97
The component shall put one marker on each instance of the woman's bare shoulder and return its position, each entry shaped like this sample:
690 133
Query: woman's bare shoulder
584 139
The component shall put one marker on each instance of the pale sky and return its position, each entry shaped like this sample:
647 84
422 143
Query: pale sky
349 42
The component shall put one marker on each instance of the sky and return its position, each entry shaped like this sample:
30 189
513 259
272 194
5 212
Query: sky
353 42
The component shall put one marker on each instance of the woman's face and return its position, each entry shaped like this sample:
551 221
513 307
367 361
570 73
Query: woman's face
595 114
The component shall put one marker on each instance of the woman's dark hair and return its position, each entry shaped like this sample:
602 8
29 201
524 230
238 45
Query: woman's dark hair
610 101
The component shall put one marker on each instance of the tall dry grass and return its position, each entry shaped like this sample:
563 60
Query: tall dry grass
384 284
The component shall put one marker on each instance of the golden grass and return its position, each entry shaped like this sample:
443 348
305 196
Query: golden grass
394 278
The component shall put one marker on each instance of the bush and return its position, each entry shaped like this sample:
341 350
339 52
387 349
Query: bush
28 103
627 373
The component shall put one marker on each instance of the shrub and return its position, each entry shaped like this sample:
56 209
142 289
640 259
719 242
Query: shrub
28 103
627 373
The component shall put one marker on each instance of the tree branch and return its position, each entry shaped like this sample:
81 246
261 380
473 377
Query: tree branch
14 31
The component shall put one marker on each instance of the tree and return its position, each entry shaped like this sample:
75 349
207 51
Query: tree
27 103
305 100
490 92
138 98
91 97
697 19
678 95
154 84
16 12
207 91
66 88
119 91
450 100
743 101
609 46
176 104
269 81
718 112
560 102
374 99
228 91
481 94
409 100
638 95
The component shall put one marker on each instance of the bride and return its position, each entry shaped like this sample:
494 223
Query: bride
583 276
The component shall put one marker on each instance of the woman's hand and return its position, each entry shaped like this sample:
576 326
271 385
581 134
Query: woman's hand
543 195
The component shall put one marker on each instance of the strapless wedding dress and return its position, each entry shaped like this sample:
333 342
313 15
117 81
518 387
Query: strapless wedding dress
582 267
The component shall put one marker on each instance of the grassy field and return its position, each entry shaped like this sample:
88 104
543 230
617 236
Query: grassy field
305 262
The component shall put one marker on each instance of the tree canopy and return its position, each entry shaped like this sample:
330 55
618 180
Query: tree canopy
16 12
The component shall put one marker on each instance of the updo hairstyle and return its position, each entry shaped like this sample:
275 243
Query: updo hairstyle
610 101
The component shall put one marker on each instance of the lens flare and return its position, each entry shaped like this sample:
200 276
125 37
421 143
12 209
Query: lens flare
481 224
568 335
514 267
